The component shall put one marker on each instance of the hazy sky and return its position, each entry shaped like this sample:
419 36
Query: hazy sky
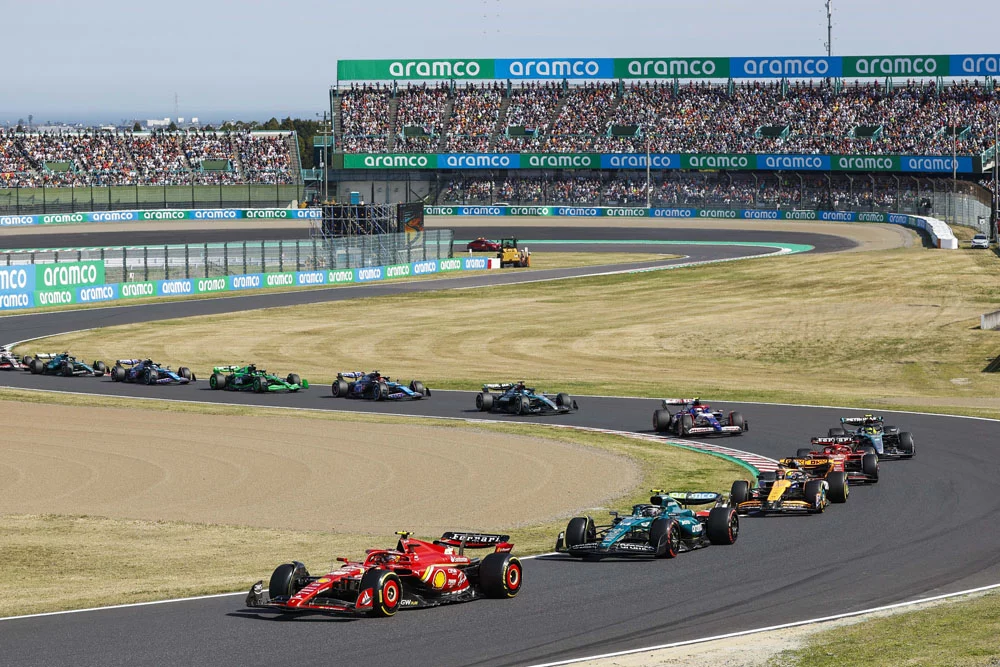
104 60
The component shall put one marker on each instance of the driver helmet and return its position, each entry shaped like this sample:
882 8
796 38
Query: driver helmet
650 511
870 430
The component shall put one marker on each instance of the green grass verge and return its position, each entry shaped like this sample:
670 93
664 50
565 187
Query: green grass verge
955 634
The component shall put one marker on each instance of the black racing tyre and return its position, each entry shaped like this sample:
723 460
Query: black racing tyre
684 424
836 432
500 575
839 488
150 376
564 400
185 373
26 360
906 444
868 449
387 591
293 379
736 419
259 385
283 580
67 369
740 492
118 374
100 368
803 452
340 388
579 530
520 405
417 387
723 525
814 495
869 466
217 381
484 401
661 420
665 537
36 366
381 391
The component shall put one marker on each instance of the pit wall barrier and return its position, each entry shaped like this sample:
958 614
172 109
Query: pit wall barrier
74 283
163 214
940 233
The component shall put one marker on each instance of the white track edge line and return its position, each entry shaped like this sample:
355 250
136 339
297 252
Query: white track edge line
193 598
793 624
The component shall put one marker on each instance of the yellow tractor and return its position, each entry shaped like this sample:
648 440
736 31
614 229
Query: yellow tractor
511 255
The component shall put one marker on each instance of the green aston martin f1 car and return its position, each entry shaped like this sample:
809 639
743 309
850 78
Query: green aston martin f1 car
250 378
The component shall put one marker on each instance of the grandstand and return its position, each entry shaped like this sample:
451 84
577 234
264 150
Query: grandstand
910 117
102 158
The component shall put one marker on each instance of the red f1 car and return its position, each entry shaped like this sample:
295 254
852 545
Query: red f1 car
483 245
415 574
841 453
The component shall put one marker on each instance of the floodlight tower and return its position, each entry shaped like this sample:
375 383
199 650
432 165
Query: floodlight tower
829 28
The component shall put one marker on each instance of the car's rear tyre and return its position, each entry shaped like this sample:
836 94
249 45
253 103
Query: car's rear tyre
417 387
500 575
836 432
803 453
520 405
869 466
217 381
67 369
339 388
906 444
259 385
118 374
736 419
740 492
839 488
26 360
579 530
100 368
723 525
150 376
381 390
684 424
387 591
293 379
665 537
661 420
36 366
815 494
484 401
564 400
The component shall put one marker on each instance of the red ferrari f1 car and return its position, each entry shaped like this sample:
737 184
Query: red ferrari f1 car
483 245
415 574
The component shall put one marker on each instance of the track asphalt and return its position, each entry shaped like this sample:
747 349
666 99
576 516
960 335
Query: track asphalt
928 527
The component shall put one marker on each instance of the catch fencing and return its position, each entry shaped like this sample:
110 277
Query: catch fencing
124 264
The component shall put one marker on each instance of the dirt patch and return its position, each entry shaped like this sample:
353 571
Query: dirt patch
290 473
868 236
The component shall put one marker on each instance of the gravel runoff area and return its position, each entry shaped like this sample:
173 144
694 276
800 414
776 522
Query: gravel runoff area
293 473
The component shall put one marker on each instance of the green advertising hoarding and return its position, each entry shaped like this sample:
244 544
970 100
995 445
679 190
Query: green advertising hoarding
440 70
671 68
915 66
390 161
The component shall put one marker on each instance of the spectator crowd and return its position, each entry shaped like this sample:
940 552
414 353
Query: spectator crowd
104 158
807 117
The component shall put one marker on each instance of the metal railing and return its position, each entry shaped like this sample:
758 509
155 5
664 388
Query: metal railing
208 260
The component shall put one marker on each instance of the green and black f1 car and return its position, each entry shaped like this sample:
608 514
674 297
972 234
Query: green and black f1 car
250 378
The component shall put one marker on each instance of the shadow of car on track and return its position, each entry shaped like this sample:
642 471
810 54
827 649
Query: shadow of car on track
276 615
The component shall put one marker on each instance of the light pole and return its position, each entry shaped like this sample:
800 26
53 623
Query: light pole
649 191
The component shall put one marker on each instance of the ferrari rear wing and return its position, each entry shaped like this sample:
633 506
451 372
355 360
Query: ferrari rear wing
475 541
832 440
